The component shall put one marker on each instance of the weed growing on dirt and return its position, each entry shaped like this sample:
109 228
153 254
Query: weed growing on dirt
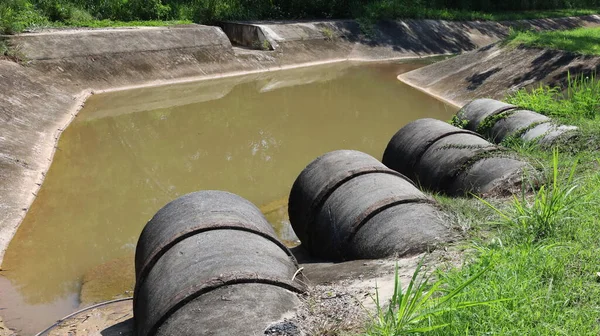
488 123
541 216
12 53
458 120
328 33
422 299
266 45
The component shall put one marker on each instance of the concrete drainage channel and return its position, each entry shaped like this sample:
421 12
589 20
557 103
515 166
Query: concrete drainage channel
209 262
60 64
64 67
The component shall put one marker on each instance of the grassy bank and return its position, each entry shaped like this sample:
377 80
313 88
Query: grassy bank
18 15
583 40
542 248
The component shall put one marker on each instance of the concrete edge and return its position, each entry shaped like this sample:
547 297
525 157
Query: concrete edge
71 113
429 92
66 44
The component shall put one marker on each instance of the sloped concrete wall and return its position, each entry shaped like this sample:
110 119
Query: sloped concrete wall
58 70
495 71
109 58
388 39
73 43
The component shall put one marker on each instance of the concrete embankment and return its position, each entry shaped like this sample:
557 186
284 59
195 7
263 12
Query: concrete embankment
58 69
496 70
390 39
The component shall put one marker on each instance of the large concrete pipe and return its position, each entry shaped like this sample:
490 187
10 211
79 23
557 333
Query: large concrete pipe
474 113
209 263
347 205
497 120
444 158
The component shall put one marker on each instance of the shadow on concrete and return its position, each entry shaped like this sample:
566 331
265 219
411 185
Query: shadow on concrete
303 256
432 37
320 272
552 24
442 37
553 60
124 328
476 80
580 70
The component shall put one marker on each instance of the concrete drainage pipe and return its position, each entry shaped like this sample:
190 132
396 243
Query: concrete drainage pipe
497 120
209 263
347 205
444 158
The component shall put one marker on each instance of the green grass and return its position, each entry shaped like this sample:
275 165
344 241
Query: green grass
545 254
582 40
544 247
578 98
18 15
422 300
541 14
539 217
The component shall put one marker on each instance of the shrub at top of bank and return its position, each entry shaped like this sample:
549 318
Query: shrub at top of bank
16 15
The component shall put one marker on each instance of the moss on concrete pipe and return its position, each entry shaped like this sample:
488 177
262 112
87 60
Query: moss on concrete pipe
448 159
347 205
201 248
497 121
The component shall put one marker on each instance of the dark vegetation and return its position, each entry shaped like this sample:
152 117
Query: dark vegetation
17 15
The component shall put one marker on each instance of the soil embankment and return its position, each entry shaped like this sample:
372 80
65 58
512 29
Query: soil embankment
496 70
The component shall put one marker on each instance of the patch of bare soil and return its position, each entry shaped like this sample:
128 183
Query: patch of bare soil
341 298
4 330
106 320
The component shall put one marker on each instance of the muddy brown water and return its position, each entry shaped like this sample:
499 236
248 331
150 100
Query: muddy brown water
128 153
